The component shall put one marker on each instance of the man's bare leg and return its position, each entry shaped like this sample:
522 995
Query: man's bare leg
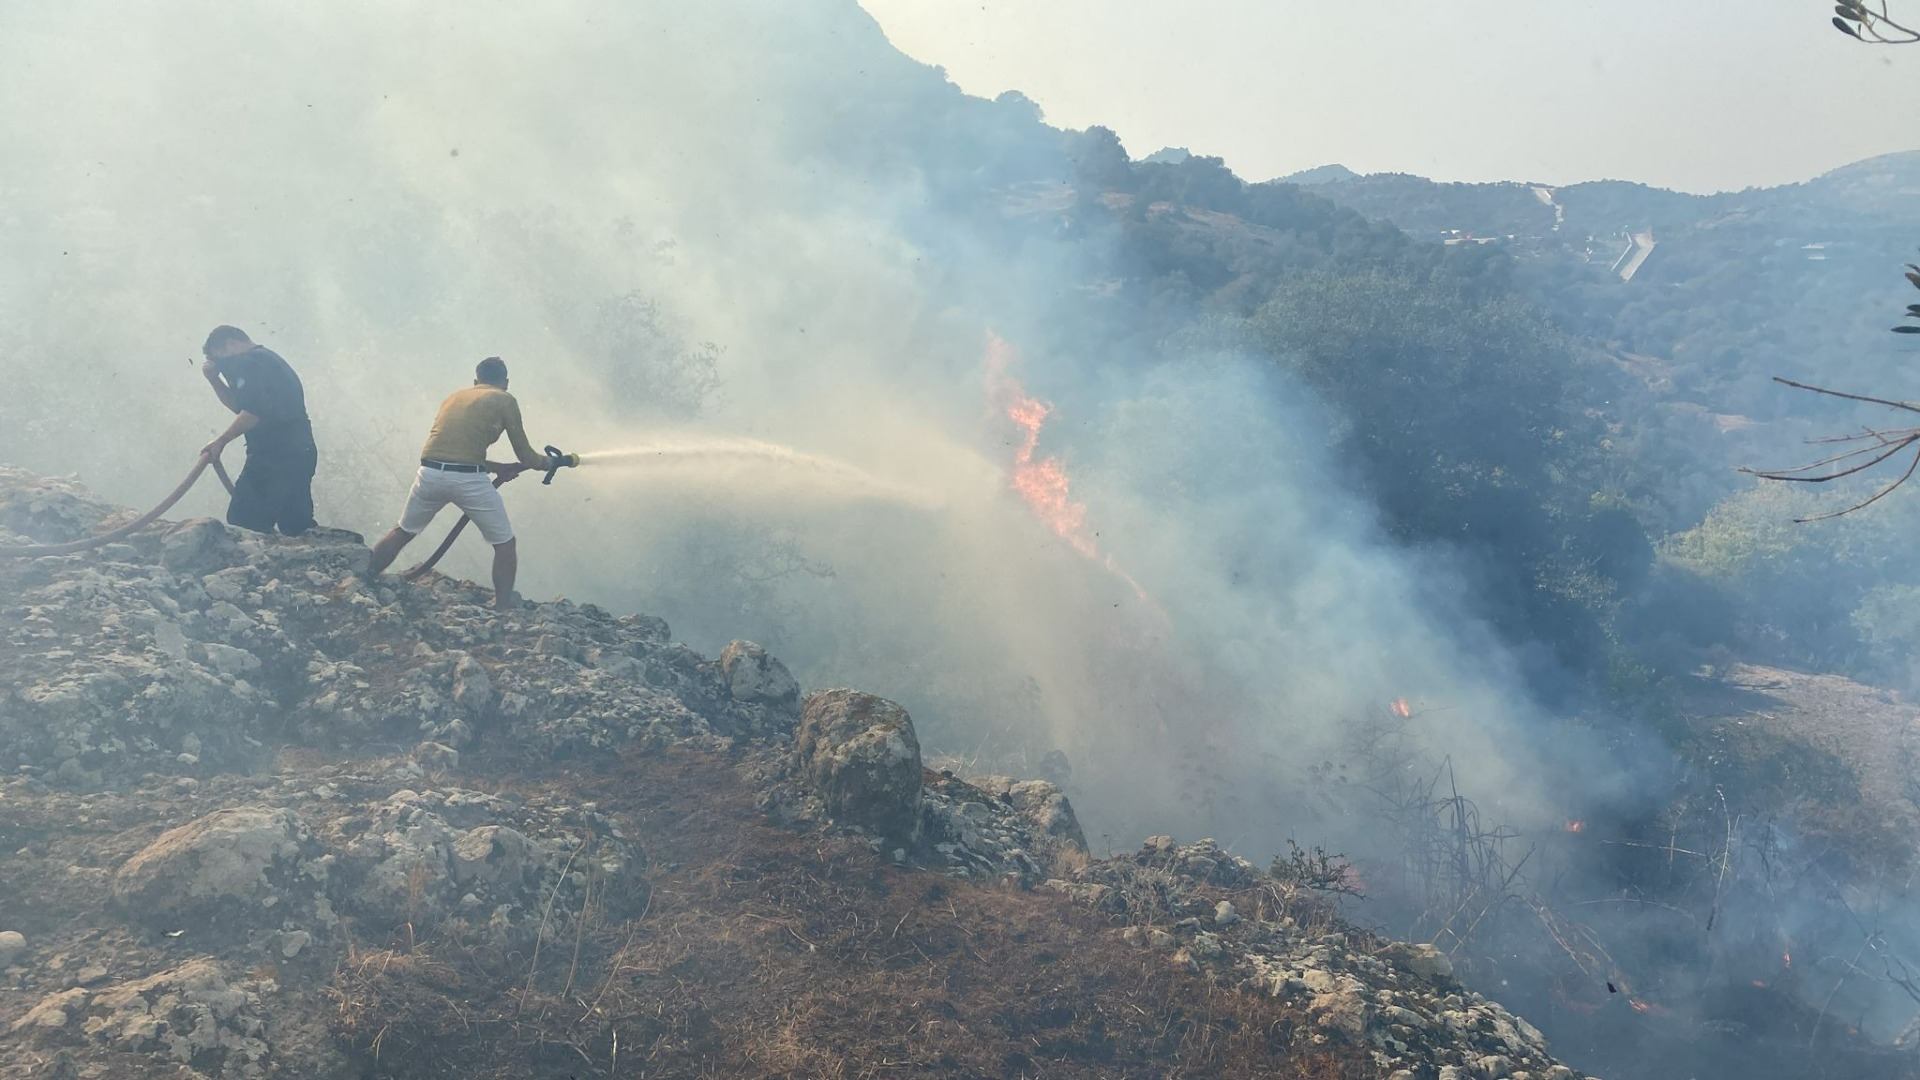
506 566
387 550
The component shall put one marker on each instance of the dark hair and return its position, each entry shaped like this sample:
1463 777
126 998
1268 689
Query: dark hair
223 336
492 371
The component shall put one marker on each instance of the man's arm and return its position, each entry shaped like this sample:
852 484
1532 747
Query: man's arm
242 424
517 435
220 388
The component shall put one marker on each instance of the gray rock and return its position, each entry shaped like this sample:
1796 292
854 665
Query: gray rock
860 754
472 688
54 1011
494 854
236 863
192 1012
426 857
228 660
755 677
433 755
1426 961
13 945
1043 807
199 546
1341 1011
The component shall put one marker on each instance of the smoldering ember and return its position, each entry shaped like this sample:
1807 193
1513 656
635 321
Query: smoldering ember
818 541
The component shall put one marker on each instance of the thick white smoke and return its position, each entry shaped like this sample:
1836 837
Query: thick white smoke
717 221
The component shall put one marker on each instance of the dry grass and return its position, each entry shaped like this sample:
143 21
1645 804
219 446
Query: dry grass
769 954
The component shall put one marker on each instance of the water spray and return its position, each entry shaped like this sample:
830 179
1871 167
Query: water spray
713 453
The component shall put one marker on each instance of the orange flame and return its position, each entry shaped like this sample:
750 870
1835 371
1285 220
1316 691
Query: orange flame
1760 983
1786 959
1401 709
1643 1006
1042 481
1576 826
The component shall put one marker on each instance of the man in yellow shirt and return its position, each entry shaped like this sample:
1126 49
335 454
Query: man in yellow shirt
454 468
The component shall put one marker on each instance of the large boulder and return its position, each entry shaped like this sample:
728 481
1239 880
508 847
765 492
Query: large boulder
249 865
860 754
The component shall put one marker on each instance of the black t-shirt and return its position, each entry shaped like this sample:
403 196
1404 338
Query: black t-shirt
266 386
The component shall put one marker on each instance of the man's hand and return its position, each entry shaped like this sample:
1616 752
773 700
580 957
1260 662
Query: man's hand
211 369
242 424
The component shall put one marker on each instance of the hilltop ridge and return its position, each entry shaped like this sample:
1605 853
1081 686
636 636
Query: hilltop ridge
267 819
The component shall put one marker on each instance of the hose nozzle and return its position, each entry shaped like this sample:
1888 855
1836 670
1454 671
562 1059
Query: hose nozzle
558 459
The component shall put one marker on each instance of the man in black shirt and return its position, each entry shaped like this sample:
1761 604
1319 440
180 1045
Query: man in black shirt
276 487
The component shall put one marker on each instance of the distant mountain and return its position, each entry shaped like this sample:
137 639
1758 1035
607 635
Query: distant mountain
1730 289
1167 155
1324 174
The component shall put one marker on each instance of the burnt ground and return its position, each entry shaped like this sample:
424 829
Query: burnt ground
1756 914
761 952
766 953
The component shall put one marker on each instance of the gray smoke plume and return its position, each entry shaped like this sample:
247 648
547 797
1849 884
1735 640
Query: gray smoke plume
711 222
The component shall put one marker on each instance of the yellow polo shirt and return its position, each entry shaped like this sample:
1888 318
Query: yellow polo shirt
472 420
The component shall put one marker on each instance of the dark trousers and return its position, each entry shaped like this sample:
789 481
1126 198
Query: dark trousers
276 487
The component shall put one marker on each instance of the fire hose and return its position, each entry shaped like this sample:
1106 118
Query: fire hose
200 466
556 460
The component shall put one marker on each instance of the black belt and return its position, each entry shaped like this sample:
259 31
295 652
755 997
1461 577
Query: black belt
449 466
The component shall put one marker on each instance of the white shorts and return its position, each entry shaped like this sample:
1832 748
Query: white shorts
473 493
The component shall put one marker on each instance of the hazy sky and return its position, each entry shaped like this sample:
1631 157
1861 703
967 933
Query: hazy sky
1700 96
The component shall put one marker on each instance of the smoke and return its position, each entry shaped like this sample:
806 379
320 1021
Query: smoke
385 193
749 259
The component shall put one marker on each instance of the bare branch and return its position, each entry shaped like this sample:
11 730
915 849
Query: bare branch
1790 474
1907 405
1883 493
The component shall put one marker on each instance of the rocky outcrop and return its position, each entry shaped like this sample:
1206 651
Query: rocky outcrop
193 648
1043 807
1213 913
193 1014
860 753
478 864
982 828
228 718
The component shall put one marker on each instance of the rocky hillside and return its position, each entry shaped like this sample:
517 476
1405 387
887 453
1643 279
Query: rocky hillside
265 819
